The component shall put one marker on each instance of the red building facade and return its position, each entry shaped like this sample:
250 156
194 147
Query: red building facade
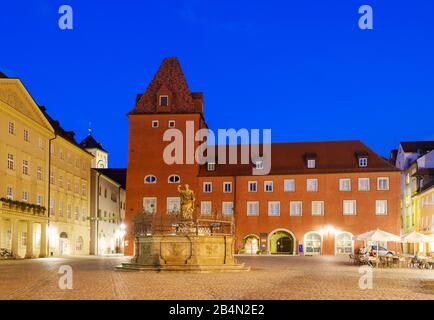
315 197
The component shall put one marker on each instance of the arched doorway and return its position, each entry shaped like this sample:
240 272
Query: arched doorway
344 243
63 244
312 243
281 242
251 244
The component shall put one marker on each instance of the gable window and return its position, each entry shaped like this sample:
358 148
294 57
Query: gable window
364 184
344 184
259 165
363 162
274 208
289 185
11 127
171 123
349 207
211 166
311 163
312 185
268 186
228 207
227 187
253 186
295 208
207 187
205 207
150 179
164 101
154 123
383 183
174 178
317 208
253 208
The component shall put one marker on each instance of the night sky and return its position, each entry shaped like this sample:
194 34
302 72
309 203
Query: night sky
302 68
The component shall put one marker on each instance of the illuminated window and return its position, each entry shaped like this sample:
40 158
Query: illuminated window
364 184
382 183
381 207
344 184
289 185
205 207
349 207
253 208
274 208
311 163
228 207
312 185
317 208
295 208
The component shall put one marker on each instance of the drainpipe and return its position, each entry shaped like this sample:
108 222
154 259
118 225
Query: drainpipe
49 193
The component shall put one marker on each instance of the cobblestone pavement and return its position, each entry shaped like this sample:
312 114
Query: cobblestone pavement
271 277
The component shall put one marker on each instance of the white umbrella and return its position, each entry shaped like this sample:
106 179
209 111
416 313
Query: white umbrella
377 236
416 237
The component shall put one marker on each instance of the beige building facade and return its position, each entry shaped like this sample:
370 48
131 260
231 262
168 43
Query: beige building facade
44 180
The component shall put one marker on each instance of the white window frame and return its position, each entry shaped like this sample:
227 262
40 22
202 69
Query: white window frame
286 182
155 124
227 183
26 167
378 183
224 203
11 127
269 206
174 175
153 199
210 166
39 175
316 184
377 213
9 192
150 175
25 195
26 135
40 199
172 124
311 163
169 204
255 183
354 204
363 179
11 161
163 96
259 165
293 202
342 182
271 183
322 208
363 162
248 207
205 184
204 205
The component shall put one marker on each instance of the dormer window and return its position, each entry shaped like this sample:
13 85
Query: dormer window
211 166
310 159
164 101
311 163
363 162
171 123
259 165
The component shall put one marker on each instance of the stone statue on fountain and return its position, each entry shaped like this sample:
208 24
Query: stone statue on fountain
187 206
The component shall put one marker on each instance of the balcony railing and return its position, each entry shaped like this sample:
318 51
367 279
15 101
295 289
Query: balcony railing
23 207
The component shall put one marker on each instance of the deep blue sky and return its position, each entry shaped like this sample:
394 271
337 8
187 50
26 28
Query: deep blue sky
302 68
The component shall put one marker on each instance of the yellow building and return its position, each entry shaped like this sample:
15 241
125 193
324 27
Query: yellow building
44 180
24 140
424 215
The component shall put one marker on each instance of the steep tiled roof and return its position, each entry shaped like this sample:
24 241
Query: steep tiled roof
290 158
170 78
414 146
90 143
116 174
